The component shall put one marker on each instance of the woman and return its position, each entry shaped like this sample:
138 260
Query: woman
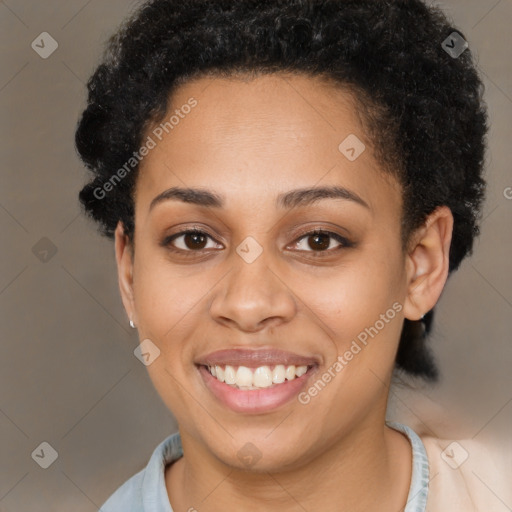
288 185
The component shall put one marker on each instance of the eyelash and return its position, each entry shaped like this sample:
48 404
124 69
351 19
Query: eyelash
194 231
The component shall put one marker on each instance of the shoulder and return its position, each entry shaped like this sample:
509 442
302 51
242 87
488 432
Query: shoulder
464 477
128 497
146 489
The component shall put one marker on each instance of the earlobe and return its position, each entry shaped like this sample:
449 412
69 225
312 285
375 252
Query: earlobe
428 263
124 259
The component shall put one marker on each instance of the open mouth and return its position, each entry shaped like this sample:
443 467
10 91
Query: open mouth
255 390
262 377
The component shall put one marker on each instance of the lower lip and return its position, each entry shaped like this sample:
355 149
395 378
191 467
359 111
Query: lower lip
255 400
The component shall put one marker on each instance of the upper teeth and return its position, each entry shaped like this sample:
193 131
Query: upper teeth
255 378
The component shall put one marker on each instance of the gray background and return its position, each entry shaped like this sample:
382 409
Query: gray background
68 373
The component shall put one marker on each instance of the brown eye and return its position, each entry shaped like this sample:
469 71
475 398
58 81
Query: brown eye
319 241
193 240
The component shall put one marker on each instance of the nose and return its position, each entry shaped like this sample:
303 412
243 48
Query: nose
253 296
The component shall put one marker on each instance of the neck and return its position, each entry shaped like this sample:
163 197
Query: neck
369 469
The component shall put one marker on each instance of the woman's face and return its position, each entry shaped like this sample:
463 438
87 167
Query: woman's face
254 280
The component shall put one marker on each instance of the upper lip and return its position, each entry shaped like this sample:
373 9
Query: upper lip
253 358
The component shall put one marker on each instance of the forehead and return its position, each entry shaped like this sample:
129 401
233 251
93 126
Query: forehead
258 136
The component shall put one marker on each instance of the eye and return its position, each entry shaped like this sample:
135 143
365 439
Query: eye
319 240
193 241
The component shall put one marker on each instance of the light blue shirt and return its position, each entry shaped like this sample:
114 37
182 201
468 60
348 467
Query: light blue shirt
146 492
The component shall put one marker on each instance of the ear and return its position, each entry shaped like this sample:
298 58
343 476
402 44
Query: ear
124 259
427 263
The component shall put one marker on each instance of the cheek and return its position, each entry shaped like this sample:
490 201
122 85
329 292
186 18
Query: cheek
167 306
360 310
172 301
168 300
354 297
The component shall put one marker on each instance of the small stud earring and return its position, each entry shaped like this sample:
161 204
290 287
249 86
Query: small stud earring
132 325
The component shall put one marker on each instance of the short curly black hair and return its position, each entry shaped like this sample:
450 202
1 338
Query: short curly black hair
421 104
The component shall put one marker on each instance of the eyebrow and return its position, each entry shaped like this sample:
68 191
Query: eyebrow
292 199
